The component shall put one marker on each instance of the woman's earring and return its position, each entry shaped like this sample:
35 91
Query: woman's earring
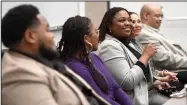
110 31
90 47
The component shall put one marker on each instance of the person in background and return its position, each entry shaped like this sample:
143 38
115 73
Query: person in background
29 75
79 38
128 65
170 55
164 75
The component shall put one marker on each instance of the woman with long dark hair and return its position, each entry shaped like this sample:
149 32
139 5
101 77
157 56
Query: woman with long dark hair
79 38
129 65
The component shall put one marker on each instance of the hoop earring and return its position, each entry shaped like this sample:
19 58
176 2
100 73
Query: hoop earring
91 47
110 31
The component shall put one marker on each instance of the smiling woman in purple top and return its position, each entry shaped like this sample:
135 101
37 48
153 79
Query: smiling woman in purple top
79 37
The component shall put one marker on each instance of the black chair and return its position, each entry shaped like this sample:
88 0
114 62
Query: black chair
182 76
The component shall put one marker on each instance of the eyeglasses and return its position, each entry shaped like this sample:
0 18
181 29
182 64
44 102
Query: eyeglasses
96 31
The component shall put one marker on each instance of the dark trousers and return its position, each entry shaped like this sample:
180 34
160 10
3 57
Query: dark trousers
156 98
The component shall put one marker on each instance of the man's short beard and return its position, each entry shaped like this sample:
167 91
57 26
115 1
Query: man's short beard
47 53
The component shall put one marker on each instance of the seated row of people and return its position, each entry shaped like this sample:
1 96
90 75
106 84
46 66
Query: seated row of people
119 72
129 67
79 37
31 74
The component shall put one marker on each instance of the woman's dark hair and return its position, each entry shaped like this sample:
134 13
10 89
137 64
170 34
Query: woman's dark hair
72 43
107 21
130 13
16 21
72 39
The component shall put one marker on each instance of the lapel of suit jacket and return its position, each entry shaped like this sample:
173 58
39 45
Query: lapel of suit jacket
131 59
139 48
163 37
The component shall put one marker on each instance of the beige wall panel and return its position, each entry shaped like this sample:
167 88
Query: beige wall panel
95 11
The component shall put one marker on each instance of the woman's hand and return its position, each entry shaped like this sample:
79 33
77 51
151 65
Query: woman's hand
161 85
148 52
167 73
167 78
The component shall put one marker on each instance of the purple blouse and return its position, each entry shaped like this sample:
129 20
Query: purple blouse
115 95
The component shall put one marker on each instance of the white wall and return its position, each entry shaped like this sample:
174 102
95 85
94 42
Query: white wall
174 24
58 36
171 9
56 13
